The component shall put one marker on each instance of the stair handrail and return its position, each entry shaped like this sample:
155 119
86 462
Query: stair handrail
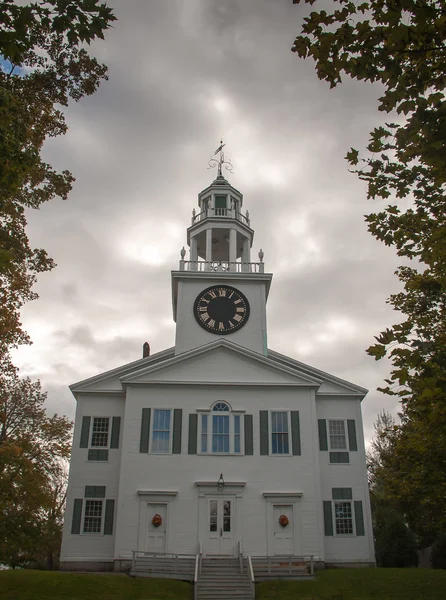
251 577
197 560
200 560
240 556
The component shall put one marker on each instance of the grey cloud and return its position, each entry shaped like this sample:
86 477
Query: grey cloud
139 149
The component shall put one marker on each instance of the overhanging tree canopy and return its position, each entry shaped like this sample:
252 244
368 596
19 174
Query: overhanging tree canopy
44 64
402 45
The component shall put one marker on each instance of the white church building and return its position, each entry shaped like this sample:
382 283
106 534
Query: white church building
218 445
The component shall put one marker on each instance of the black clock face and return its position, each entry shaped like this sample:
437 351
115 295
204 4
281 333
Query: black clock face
221 309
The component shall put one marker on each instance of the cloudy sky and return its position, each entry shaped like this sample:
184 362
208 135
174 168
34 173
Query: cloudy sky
184 74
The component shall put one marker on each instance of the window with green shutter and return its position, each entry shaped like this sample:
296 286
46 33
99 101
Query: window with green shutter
99 434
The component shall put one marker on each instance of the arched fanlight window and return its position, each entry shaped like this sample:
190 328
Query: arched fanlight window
220 430
221 407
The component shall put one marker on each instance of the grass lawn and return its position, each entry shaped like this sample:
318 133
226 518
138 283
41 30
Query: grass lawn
360 584
45 585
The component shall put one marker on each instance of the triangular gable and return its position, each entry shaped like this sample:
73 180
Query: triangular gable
330 384
220 362
110 380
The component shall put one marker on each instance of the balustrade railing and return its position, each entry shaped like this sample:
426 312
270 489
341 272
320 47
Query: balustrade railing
221 266
220 212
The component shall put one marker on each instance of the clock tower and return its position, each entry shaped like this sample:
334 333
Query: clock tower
218 292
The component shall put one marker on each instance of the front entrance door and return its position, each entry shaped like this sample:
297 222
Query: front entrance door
283 536
220 526
156 536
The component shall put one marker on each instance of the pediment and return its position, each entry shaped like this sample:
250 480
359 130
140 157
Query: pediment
220 362
330 384
110 381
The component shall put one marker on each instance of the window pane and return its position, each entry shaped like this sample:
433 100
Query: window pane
337 435
220 433
237 424
213 515
279 433
226 515
221 406
161 431
99 437
93 516
343 516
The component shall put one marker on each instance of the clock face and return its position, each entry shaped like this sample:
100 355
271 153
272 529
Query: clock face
221 309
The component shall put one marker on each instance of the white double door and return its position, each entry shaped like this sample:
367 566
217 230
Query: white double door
220 526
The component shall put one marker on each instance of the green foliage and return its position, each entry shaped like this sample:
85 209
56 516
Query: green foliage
47 67
438 554
33 447
359 584
39 585
402 45
395 544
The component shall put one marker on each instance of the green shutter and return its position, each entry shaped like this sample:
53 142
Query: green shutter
328 518
351 427
264 435
323 443
295 432
220 201
94 491
77 516
339 458
85 432
108 519
145 430
116 427
249 442
359 518
177 423
98 454
341 493
193 422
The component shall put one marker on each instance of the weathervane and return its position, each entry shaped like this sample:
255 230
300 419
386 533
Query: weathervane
214 162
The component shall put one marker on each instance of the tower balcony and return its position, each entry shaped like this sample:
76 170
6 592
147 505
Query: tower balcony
224 213
221 266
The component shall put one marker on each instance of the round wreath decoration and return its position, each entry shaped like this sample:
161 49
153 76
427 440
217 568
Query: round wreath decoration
283 520
157 520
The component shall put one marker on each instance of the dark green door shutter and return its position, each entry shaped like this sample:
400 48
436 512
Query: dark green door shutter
145 430
351 427
322 425
359 518
177 423
85 432
116 426
264 434
108 519
295 432
77 516
193 422
249 442
328 518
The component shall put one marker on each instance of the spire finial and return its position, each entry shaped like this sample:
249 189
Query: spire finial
214 162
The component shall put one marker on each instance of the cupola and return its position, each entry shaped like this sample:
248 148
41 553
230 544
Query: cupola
220 236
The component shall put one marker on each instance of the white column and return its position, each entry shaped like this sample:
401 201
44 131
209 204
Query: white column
246 255
193 254
232 248
208 245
